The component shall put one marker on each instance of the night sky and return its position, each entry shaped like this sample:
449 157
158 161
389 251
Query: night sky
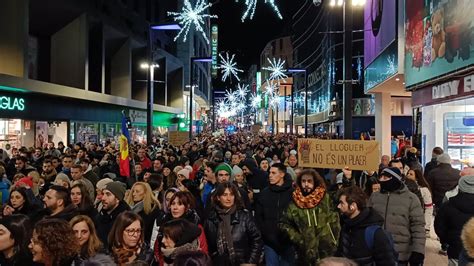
248 39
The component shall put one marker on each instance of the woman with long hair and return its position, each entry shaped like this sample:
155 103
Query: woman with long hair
85 232
82 201
53 243
15 233
143 202
126 240
417 176
234 238
19 203
182 206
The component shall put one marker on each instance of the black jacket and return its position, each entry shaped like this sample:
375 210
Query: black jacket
149 220
258 180
246 237
271 204
443 178
450 220
104 221
352 243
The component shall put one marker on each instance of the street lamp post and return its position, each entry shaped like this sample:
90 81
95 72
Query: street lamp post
347 7
150 80
300 70
192 60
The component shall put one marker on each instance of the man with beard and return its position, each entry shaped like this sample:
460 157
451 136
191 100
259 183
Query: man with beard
404 217
57 201
48 173
112 206
309 221
362 227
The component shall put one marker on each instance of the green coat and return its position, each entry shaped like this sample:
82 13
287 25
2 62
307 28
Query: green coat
313 231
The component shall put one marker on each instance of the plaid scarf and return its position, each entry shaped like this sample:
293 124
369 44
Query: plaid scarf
225 244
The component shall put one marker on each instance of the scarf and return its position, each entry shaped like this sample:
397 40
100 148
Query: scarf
123 254
137 207
309 201
224 232
169 254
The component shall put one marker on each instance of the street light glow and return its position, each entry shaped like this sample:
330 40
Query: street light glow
147 66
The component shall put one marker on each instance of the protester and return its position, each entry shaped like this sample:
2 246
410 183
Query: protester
53 243
230 229
358 220
15 234
57 201
83 203
85 232
178 236
467 237
143 202
403 214
443 178
417 177
126 240
311 206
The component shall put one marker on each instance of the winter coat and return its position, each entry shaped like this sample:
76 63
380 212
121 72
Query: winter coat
352 243
247 240
258 180
271 204
313 228
104 221
149 220
450 220
441 179
404 219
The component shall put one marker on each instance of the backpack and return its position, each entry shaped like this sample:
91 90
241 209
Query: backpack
370 238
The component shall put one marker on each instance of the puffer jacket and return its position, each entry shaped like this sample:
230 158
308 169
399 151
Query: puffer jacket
352 243
313 228
247 240
451 218
271 204
404 219
441 179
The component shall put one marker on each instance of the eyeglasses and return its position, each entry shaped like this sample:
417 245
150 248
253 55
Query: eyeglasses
132 232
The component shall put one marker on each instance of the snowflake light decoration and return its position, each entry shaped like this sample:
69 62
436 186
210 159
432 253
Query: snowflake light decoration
277 69
192 15
242 91
251 6
273 94
229 67
256 101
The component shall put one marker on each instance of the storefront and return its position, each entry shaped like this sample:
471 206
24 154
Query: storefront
445 114
31 119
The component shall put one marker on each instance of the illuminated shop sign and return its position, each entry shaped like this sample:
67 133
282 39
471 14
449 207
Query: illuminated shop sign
12 103
214 41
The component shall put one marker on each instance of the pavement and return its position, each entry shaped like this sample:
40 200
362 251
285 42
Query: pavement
432 257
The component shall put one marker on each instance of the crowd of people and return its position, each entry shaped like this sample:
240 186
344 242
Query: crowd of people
239 199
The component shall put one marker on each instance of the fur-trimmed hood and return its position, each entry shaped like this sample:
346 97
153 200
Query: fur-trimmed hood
467 237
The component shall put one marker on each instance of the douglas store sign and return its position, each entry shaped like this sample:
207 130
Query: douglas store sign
453 89
8 103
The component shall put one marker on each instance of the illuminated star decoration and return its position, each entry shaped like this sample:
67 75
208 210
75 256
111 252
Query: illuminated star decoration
251 6
242 91
277 69
229 67
256 101
189 16
273 94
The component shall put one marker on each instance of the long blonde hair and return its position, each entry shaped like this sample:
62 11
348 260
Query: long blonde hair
93 245
150 202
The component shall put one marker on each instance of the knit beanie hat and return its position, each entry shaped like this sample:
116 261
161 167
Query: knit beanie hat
61 177
392 172
466 184
236 170
184 172
103 182
225 167
444 158
27 180
177 169
190 232
116 188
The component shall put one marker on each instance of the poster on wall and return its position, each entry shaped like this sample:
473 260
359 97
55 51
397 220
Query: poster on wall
380 26
439 38
41 134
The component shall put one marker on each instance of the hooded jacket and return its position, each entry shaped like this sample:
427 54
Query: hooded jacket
258 180
441 179
404 219
312 225
352 243
451 218
271 204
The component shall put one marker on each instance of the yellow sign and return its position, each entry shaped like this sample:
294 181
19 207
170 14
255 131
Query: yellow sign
178 138
337 154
